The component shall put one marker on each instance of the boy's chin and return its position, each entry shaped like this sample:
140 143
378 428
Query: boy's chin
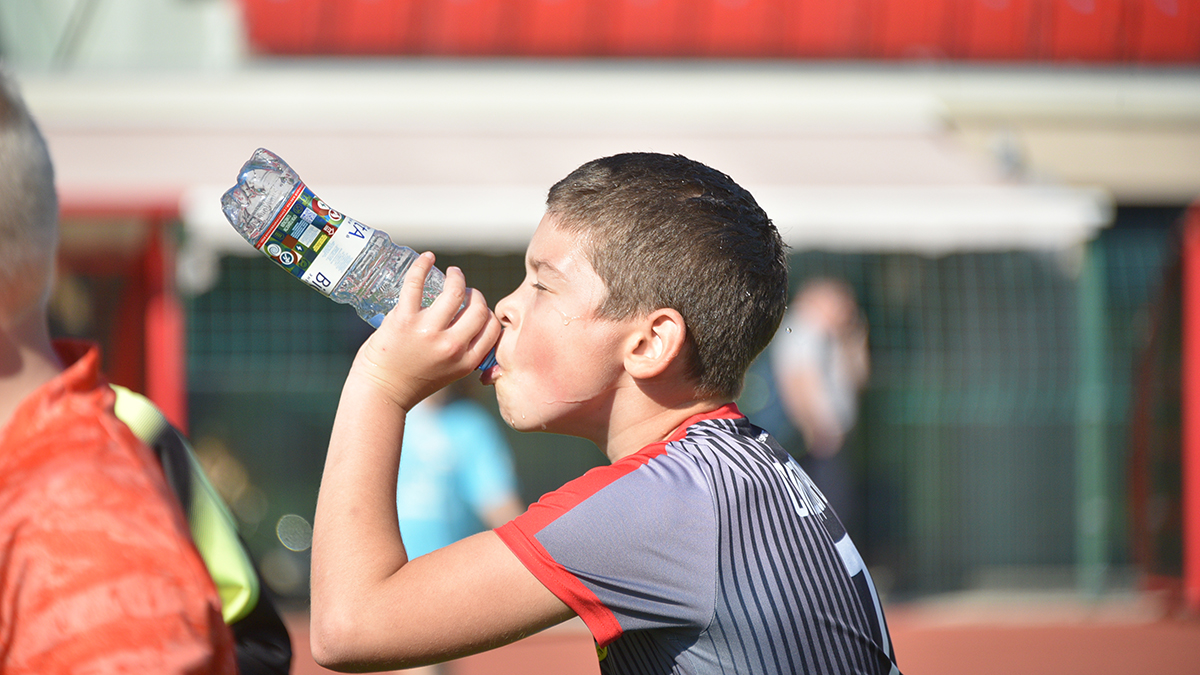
521 423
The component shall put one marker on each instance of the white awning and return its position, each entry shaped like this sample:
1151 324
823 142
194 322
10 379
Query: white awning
455 155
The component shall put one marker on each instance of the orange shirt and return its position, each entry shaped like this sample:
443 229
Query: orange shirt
97 570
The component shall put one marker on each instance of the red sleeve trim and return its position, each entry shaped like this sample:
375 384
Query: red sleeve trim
565 586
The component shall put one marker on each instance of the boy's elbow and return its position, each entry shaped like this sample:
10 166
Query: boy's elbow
331 639
339 646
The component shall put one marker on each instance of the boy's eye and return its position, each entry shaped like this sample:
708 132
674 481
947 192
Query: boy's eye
539 287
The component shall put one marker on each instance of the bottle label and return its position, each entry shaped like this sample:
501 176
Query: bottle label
312 241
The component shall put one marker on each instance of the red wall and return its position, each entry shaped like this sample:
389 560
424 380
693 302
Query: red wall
1089 31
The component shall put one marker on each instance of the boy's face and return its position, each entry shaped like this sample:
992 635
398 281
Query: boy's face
558 364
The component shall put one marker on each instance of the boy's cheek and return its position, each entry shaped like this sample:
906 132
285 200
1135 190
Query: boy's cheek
528 401
517 407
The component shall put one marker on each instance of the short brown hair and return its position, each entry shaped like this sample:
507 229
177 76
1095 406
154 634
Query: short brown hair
667 231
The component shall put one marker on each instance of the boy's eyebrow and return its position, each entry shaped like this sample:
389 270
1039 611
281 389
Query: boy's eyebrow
545 267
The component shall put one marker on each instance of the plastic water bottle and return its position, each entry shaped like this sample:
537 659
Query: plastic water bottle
351 263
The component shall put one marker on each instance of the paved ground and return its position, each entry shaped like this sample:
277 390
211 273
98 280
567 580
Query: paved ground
968 634
979 634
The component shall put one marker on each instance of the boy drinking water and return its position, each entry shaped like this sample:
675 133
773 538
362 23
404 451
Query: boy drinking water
651 284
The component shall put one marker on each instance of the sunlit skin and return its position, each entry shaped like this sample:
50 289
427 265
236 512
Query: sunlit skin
564 369
560 364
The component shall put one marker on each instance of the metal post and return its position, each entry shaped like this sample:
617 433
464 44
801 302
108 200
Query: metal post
166 335
1190 410
1091 466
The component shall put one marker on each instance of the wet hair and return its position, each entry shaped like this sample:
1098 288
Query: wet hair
28 201
667 231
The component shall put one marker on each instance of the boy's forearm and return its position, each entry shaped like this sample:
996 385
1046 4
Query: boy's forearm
362 585
356 541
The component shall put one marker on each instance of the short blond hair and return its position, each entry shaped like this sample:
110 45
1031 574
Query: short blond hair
28 202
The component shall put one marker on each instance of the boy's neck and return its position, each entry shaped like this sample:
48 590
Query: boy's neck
633 427
27 360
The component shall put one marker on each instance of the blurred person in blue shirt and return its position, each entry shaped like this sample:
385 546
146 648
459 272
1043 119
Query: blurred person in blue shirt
456 474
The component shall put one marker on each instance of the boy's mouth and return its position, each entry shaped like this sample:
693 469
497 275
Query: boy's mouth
488 376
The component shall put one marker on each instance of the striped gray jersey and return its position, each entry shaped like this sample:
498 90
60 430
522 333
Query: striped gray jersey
711 552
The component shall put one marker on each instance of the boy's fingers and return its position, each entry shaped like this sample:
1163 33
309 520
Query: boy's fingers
486 337
474 317
414 282
452 298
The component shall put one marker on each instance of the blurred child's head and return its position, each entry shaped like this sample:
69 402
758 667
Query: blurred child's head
28 205
664 231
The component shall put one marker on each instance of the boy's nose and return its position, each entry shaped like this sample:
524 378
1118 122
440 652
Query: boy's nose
504 310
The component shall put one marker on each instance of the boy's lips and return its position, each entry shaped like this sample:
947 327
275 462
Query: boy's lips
489 376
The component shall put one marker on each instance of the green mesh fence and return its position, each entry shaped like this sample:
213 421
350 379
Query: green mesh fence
261 330
966 455
267 357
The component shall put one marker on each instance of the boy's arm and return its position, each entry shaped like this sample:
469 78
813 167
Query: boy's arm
370 606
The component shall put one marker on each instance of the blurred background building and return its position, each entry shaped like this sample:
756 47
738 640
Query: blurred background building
1002 183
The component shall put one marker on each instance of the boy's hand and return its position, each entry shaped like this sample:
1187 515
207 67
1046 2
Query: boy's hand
417 351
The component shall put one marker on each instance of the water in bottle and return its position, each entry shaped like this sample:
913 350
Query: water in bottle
349 262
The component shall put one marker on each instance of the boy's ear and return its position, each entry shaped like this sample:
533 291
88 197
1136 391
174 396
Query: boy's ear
657 343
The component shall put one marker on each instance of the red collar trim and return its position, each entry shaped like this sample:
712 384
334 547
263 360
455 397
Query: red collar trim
729 411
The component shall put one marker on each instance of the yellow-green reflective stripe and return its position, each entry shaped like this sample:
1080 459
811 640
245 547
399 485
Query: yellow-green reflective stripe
213 528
